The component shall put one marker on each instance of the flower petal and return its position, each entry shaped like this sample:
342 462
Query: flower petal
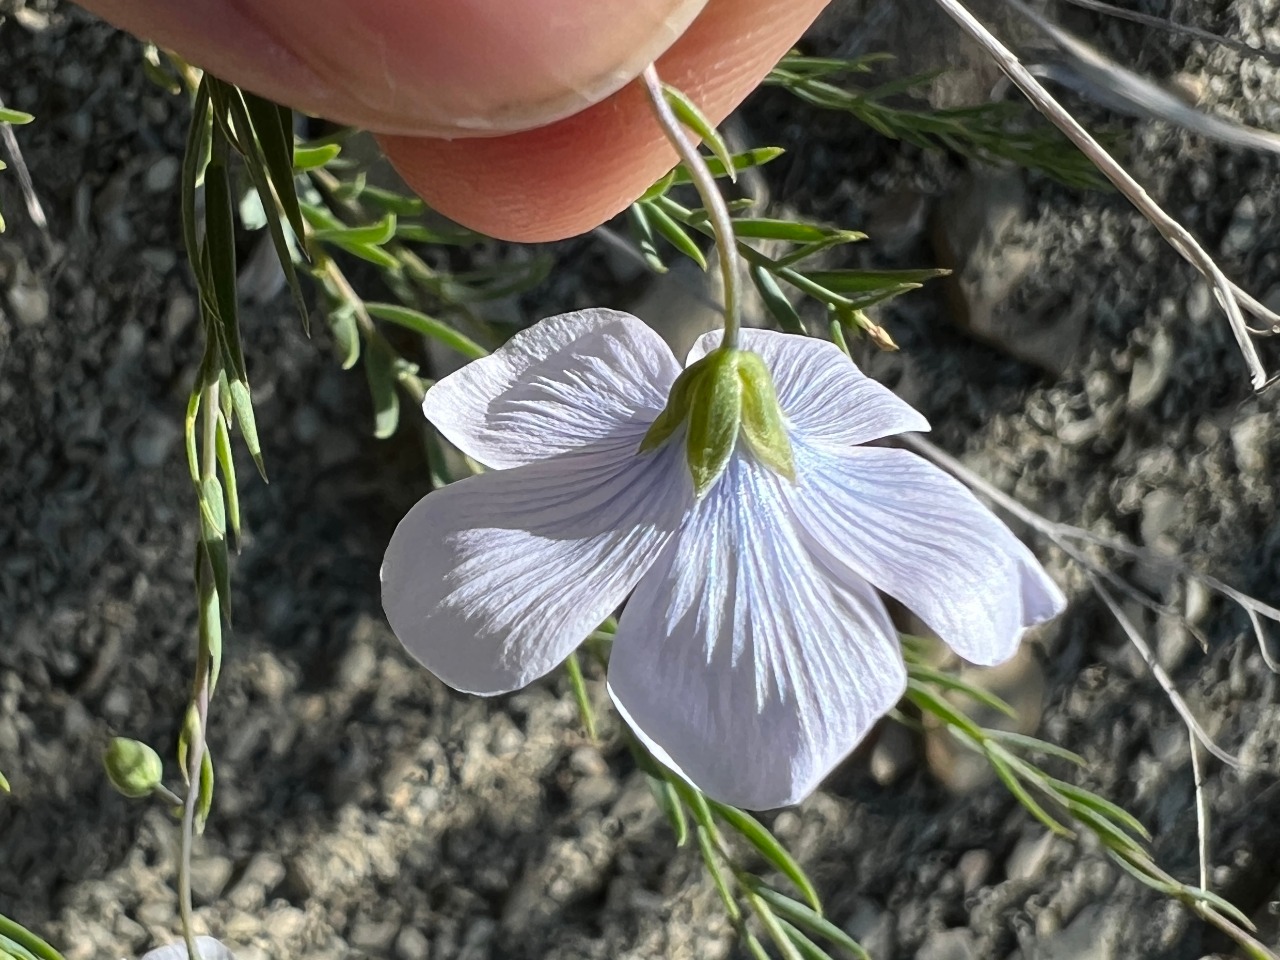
891 518
207 948
492 581
743 664
563 383
827 399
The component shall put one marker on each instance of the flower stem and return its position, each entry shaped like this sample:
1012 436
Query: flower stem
705 184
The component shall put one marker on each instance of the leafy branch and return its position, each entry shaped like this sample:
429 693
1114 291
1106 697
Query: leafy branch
990 132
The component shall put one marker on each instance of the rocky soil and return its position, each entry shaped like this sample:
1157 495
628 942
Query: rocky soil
364 810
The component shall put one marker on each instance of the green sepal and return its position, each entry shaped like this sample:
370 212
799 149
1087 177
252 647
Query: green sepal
133 768
762 425
714 418
676 410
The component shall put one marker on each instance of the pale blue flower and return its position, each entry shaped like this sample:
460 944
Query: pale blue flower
755 650
207 948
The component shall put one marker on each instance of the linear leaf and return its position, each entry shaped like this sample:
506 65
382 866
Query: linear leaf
765 228
15 117
707 847
1023 796
273 125
871 281
427 326
950 682
27 940
379 369
775 300
756 157
242 404
374 234
806 918
692 117
642 234
1034 745
1102 806
228 464
578 684
675 235
671 807
769 847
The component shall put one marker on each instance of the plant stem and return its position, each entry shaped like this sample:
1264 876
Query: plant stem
705 184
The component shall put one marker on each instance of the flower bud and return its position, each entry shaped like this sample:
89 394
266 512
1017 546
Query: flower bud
132 767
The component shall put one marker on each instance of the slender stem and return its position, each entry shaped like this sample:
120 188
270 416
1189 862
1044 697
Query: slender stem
200 686
1174 233
705 184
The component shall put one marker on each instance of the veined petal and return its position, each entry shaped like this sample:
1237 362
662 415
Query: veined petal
492 581
207 948
891 518
741 662
564 383
824 395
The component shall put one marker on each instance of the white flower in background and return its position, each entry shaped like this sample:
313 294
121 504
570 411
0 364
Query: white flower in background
207 948
755 651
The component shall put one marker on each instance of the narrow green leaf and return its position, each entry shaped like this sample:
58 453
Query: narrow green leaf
1221 904
220 253
243 406
775 300
186 736
947 681
346 333
402 205
379 368
806 250
204 801
929 702
27 940
659 186
15 117
763 228
1034 745
1023 796
4 784
209 619
427 326
312 158
228 464
194 161
669 802
375 255
374 234
754 946
807 948
213 506
675 235
756 157
578 684
688 113
214 547
642 233
1100 805
872 281
190 431
769 848
273 126
707 848
806 918
1110 835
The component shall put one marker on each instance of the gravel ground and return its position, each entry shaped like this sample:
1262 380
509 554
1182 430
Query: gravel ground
364 810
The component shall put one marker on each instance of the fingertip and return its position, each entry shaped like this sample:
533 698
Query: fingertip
566 178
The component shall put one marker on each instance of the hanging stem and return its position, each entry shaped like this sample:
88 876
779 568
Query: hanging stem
705 184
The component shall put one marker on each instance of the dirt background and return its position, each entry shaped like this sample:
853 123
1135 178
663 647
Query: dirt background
363 810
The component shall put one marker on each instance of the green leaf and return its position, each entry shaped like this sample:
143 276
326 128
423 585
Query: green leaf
273 125
806 250
947 681
204 801
228 464
194 161
346 333
578 684
872 281
757 157
807 948
1100 805
212 505
374 234
389 201
312 158
763 228
214 546
25 940
4 784
675 235
769 847
427 326
1034 745
775 300
707 847
220 253
806 918
929 702
242 404
688 113
659 186
1023 796
672 808
642 233
15 117
209 618
379 368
